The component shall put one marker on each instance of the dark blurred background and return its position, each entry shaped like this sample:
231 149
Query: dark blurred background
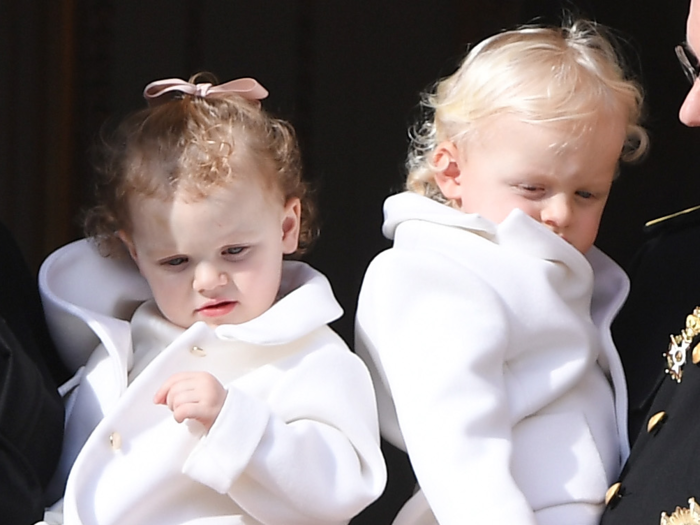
347 74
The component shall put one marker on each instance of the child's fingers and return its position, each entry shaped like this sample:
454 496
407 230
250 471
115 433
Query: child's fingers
192 395
160 397
189 410
182 392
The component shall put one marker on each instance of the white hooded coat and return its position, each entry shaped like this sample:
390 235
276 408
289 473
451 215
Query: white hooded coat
296 441
494 366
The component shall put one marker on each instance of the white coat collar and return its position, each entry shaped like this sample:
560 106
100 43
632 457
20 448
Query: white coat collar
408 206
594 275
306 303
89 298
518 231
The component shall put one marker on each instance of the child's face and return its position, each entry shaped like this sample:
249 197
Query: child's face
217 259
563 181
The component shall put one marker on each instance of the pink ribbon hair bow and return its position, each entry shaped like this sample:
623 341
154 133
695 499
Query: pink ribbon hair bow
247 88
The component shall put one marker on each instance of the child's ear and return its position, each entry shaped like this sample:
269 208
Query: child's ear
291 224
124 237
447 174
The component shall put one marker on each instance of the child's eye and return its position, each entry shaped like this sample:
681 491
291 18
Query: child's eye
531 190
584 194
235 250
175 261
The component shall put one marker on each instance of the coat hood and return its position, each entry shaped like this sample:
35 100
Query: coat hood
90 299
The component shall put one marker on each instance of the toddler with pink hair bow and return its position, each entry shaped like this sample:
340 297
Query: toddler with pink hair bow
209 387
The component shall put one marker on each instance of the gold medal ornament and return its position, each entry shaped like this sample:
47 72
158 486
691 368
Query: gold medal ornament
683 516
677 348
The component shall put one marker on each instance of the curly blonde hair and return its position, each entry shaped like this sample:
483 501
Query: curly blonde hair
543 75
196 145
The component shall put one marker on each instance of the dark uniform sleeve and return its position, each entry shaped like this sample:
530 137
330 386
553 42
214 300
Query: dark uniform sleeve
31 410
665 287
657 336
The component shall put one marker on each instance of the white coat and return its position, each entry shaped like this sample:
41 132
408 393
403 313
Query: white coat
296 441
494 366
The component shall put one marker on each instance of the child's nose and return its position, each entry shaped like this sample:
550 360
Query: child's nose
207 277
556 214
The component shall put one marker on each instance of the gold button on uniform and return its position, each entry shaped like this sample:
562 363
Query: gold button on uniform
654 420
612 492
197 351
115 441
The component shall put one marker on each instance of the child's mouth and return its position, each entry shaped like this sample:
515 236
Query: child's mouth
217 309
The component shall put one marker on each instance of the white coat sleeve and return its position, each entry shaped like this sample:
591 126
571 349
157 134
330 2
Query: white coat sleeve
308 453
439 337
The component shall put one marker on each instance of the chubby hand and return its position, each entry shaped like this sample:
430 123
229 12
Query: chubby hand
192 395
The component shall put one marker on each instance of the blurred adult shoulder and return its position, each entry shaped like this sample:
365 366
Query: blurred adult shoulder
31 410
20 307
